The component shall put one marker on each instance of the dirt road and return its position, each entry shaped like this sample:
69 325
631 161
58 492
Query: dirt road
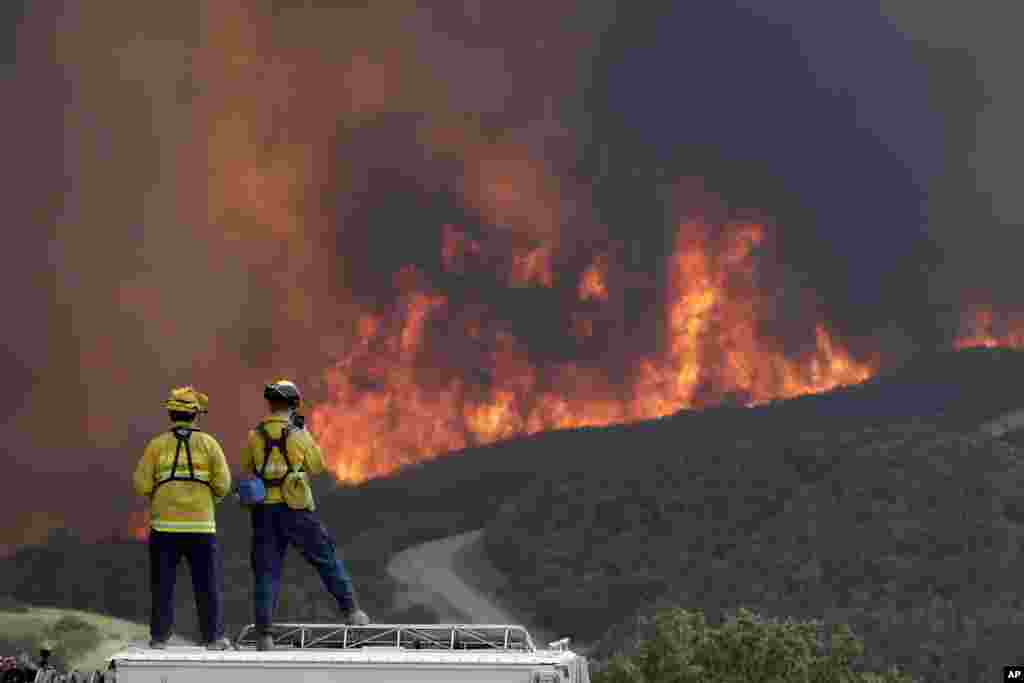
452 577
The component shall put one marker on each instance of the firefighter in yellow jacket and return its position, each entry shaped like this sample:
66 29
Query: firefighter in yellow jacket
279 456
184 474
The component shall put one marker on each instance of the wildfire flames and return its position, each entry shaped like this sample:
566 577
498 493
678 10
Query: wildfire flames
383 413
984 327
432 373
437 370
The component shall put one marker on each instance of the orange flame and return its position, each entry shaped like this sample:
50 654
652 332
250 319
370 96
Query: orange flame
983 327
382 414
138 524
592 284
533 267
582 327
455 248
268 120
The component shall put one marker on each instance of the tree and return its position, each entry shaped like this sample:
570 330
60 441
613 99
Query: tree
744 649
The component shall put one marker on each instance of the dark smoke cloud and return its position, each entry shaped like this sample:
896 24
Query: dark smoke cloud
136 269
210 192
976 209
31 120
819 116
112 302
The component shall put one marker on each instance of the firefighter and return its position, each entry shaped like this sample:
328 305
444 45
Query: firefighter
281 454
184 474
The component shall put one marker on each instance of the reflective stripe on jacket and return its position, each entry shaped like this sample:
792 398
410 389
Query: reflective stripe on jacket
183 506
302 450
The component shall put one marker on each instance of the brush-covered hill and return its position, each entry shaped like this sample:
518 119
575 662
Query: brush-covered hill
909 533
78 640
905 526
605 522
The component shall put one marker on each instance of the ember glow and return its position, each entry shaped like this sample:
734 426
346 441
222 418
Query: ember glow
592 284
138 524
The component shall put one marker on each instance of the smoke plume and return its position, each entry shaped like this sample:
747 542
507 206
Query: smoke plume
454 222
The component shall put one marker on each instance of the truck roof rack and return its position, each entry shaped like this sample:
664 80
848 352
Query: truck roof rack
403 636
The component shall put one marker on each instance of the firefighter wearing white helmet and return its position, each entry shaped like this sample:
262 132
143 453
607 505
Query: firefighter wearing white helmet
183 474
280 455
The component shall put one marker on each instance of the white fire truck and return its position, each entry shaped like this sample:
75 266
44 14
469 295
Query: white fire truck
378 653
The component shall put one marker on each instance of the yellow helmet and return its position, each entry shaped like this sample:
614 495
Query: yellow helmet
187 400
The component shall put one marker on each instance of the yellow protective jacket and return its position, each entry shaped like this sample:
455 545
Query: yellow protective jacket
302 450
183 506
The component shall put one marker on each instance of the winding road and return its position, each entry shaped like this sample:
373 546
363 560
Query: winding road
453 578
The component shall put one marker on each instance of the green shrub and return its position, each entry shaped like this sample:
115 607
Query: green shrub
744 649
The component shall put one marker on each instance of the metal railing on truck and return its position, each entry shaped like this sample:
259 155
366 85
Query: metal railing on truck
405 636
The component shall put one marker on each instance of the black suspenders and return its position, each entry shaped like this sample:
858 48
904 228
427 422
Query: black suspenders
268 445
183 435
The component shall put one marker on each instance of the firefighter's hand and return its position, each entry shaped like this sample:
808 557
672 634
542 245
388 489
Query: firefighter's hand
299 421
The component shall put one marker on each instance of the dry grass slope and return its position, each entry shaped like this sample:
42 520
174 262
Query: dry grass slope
35 624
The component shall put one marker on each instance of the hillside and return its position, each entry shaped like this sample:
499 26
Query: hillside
605 522
908 533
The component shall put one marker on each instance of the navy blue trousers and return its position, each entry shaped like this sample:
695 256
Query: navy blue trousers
274 528
203 555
